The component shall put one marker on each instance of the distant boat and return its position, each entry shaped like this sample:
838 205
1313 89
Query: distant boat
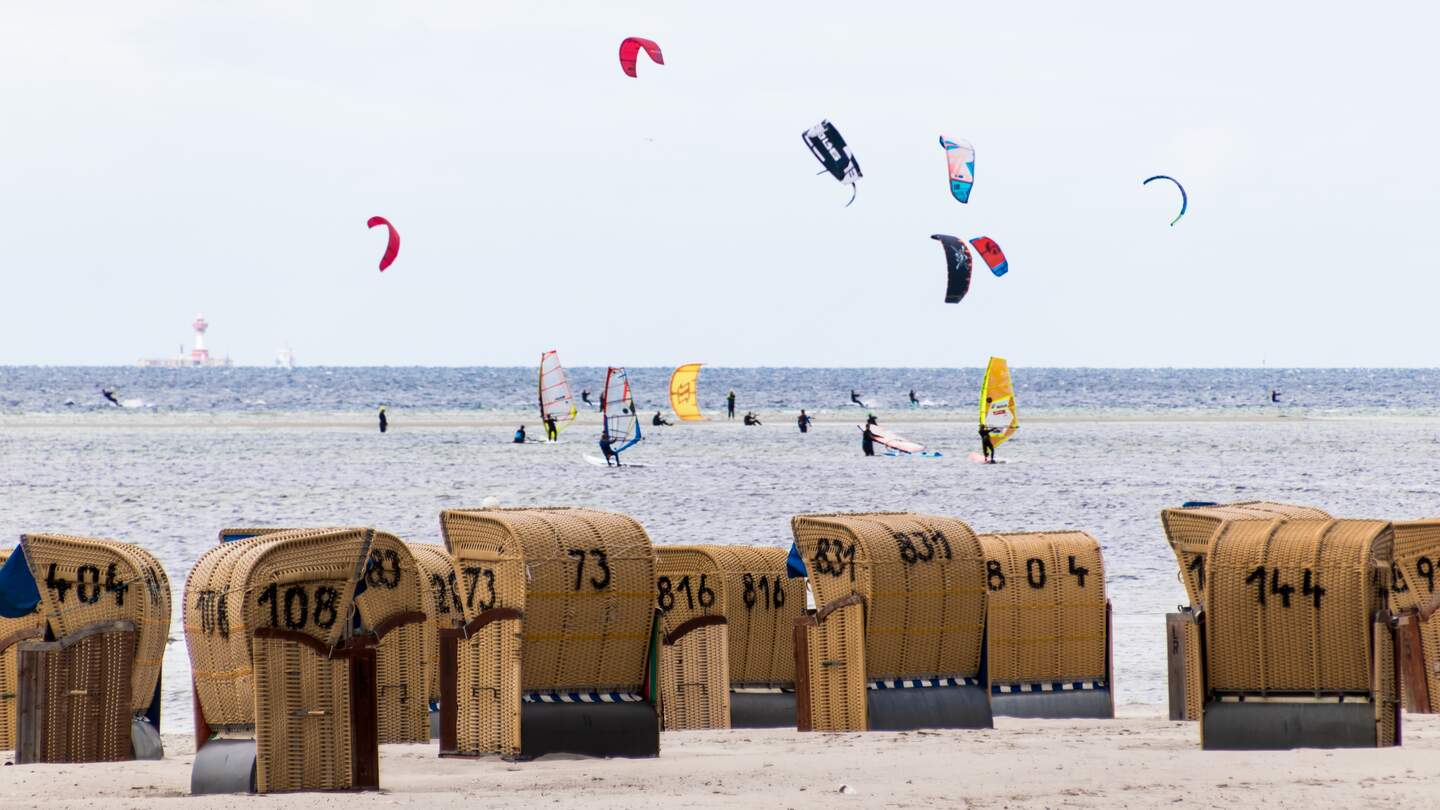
285 358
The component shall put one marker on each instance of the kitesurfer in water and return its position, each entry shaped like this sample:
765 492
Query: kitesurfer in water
855 398
914 402
608 450
585 397
867 440
520 435
751 418
384 423
657 420
803 421
1274 395
109 393
730 404
552 431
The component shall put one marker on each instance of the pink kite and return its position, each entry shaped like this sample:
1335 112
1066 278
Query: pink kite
630 49
392 248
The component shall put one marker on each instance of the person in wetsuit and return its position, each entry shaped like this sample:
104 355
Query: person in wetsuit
867 440
657 420
585 397
730 404
1274 395
855 397
520 435
109 393
384 423
608 450
803 421
914 401
552 431
751 418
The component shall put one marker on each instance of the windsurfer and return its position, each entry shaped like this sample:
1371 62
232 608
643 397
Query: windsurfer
914 401
585 397
657 420
986 446
520 435
552 430
608 450
803 421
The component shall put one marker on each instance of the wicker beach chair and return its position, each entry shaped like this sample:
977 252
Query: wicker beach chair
1048 640
557 653
1413 590
761 607
440 583
694 666
286 695
1189 530
1298 641
896 641
12 632
89 691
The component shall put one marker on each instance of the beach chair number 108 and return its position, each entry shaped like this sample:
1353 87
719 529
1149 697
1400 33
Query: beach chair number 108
297 604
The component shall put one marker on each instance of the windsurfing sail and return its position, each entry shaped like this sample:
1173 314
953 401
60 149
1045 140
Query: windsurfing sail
894 441
617 409
555 397
683 396
997 402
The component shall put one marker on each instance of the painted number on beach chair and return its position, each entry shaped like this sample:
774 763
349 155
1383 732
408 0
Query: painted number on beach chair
294 606
668 589
214 619
1310 586
473 575
1036 575
376 575
834 558
446 594
911 543
601 559
87 586
751 596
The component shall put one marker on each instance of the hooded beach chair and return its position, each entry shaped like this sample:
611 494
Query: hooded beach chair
896 641
441 584
1047 639
557 654
87 684
694 664
1413 590
761 606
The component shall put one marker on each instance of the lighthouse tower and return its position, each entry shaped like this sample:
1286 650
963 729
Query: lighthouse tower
200 356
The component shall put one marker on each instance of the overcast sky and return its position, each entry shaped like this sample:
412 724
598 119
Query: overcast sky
163 159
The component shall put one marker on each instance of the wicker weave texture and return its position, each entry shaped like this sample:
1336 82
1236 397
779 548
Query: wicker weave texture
439 584
11 631
923 579
488 681
761 606
85 581
302 580
1194 673
695 668
1413 585
1189 531
837 667
1290 605
86 687
1047 612
394 589
589 590
302 729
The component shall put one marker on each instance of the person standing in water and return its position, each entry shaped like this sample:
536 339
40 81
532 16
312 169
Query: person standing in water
384 423
914 402
1274 395
552 431
803 421
867 440
730 403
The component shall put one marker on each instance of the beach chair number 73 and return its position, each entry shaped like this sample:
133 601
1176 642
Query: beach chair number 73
600 559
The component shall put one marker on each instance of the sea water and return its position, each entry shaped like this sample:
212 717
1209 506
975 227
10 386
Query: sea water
1101 450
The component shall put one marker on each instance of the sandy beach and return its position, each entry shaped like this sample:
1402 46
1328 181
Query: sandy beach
1138 760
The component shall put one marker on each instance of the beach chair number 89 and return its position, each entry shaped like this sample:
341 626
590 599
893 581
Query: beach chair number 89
600 559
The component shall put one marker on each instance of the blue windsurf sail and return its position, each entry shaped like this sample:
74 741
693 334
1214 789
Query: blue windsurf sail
617 409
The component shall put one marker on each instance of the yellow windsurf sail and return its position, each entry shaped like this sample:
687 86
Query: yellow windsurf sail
997 402
683 396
